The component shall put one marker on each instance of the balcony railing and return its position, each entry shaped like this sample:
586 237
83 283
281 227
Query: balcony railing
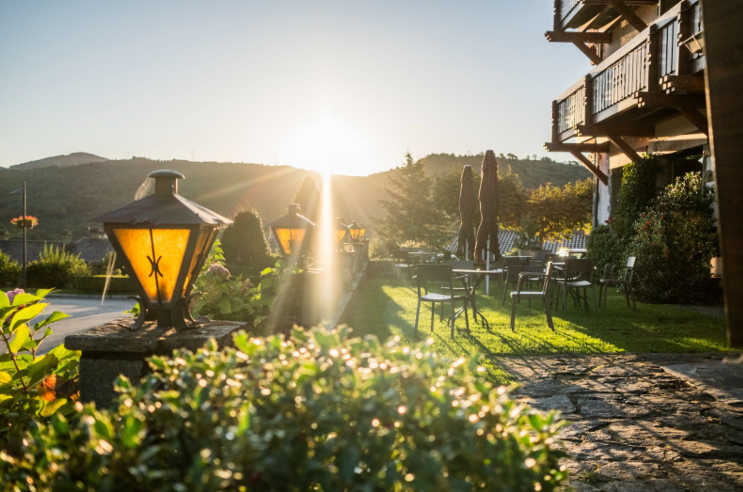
571 14
637 67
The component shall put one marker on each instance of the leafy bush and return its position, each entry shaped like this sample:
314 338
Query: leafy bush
316 412
604 247
244 245
32 387
639 189
117 284
223 297
55 268
674 242
10 271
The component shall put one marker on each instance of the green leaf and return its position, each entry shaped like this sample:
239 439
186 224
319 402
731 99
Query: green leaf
41 368
20 336
52 318
42 293
225 307
49 408
4 301
62 353
25 298
5 377
27 314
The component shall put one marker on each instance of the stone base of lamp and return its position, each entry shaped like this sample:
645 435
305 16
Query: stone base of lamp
113 349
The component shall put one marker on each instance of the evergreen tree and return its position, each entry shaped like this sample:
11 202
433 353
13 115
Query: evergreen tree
244 245
412 212
308 198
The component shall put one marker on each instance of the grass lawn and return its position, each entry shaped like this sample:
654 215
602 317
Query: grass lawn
387 308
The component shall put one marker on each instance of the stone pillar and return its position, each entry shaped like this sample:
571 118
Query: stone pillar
112 349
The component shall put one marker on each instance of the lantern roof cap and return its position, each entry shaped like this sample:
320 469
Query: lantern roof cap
163 207
293 219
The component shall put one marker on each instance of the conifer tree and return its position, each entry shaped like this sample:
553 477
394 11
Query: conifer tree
244 245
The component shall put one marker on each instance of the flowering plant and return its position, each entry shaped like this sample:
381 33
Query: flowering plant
27 222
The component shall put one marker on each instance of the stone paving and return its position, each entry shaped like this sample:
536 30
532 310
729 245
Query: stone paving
645 422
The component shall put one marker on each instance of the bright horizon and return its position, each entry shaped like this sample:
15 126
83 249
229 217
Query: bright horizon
332 87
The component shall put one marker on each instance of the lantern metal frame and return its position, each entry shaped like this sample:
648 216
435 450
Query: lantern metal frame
340 226
359 229
293 220
166 210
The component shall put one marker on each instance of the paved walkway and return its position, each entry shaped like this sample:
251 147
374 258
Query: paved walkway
650 422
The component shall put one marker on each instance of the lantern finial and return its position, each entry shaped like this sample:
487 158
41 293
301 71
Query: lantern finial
166 181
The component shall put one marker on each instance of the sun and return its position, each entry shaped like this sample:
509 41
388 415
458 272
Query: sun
329 145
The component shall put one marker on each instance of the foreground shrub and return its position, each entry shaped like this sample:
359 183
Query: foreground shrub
318 413
55 268
674 242
32 388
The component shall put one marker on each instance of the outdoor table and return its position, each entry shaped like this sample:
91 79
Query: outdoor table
481 274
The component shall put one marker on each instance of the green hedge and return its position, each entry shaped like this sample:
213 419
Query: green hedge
119 284
316 412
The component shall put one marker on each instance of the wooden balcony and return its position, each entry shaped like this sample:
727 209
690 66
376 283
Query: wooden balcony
590 14
650 78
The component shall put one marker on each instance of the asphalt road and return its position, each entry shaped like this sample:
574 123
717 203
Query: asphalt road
84 314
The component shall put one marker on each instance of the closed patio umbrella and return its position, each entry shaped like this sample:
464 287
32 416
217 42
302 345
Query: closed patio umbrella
467 203
488 210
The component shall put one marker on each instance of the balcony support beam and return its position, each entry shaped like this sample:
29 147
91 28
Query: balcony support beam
695 116
625 148
621 129
577 147
663 100
591 53
582 36
629 15
589 165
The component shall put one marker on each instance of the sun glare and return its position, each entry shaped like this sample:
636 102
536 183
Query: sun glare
327 245
329 145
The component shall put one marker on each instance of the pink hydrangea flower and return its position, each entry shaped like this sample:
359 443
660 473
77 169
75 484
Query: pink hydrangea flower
13 293
219 270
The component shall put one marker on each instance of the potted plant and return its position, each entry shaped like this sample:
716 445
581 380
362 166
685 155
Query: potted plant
27 222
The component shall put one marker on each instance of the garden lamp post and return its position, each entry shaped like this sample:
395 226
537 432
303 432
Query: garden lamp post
358 230
163 240
293 232
22 191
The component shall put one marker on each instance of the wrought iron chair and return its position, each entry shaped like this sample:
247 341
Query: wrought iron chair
442 275
512 268
618 276
542 294
576 275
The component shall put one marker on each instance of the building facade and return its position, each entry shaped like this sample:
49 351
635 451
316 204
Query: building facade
644 95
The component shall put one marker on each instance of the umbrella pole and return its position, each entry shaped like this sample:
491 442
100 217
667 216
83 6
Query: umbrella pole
466 249
487 267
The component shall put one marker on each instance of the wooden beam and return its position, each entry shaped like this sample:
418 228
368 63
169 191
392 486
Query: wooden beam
621 129
624 147
629 15
683 84
663 100
573 36
589 52
723 38
577 147
589 165
695 116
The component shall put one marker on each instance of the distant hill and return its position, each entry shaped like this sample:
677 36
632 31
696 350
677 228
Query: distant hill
70 197
74 159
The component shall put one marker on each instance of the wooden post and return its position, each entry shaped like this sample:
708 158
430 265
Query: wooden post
555 122
684 31
653 59
724 75
588 100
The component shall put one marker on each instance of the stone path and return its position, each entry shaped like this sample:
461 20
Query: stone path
648 422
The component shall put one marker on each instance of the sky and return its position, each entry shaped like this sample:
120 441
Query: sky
339 86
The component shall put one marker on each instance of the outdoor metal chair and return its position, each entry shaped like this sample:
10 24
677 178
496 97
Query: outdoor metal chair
512 268
618 276
443 276
542 294
463 265
404 261
576 275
